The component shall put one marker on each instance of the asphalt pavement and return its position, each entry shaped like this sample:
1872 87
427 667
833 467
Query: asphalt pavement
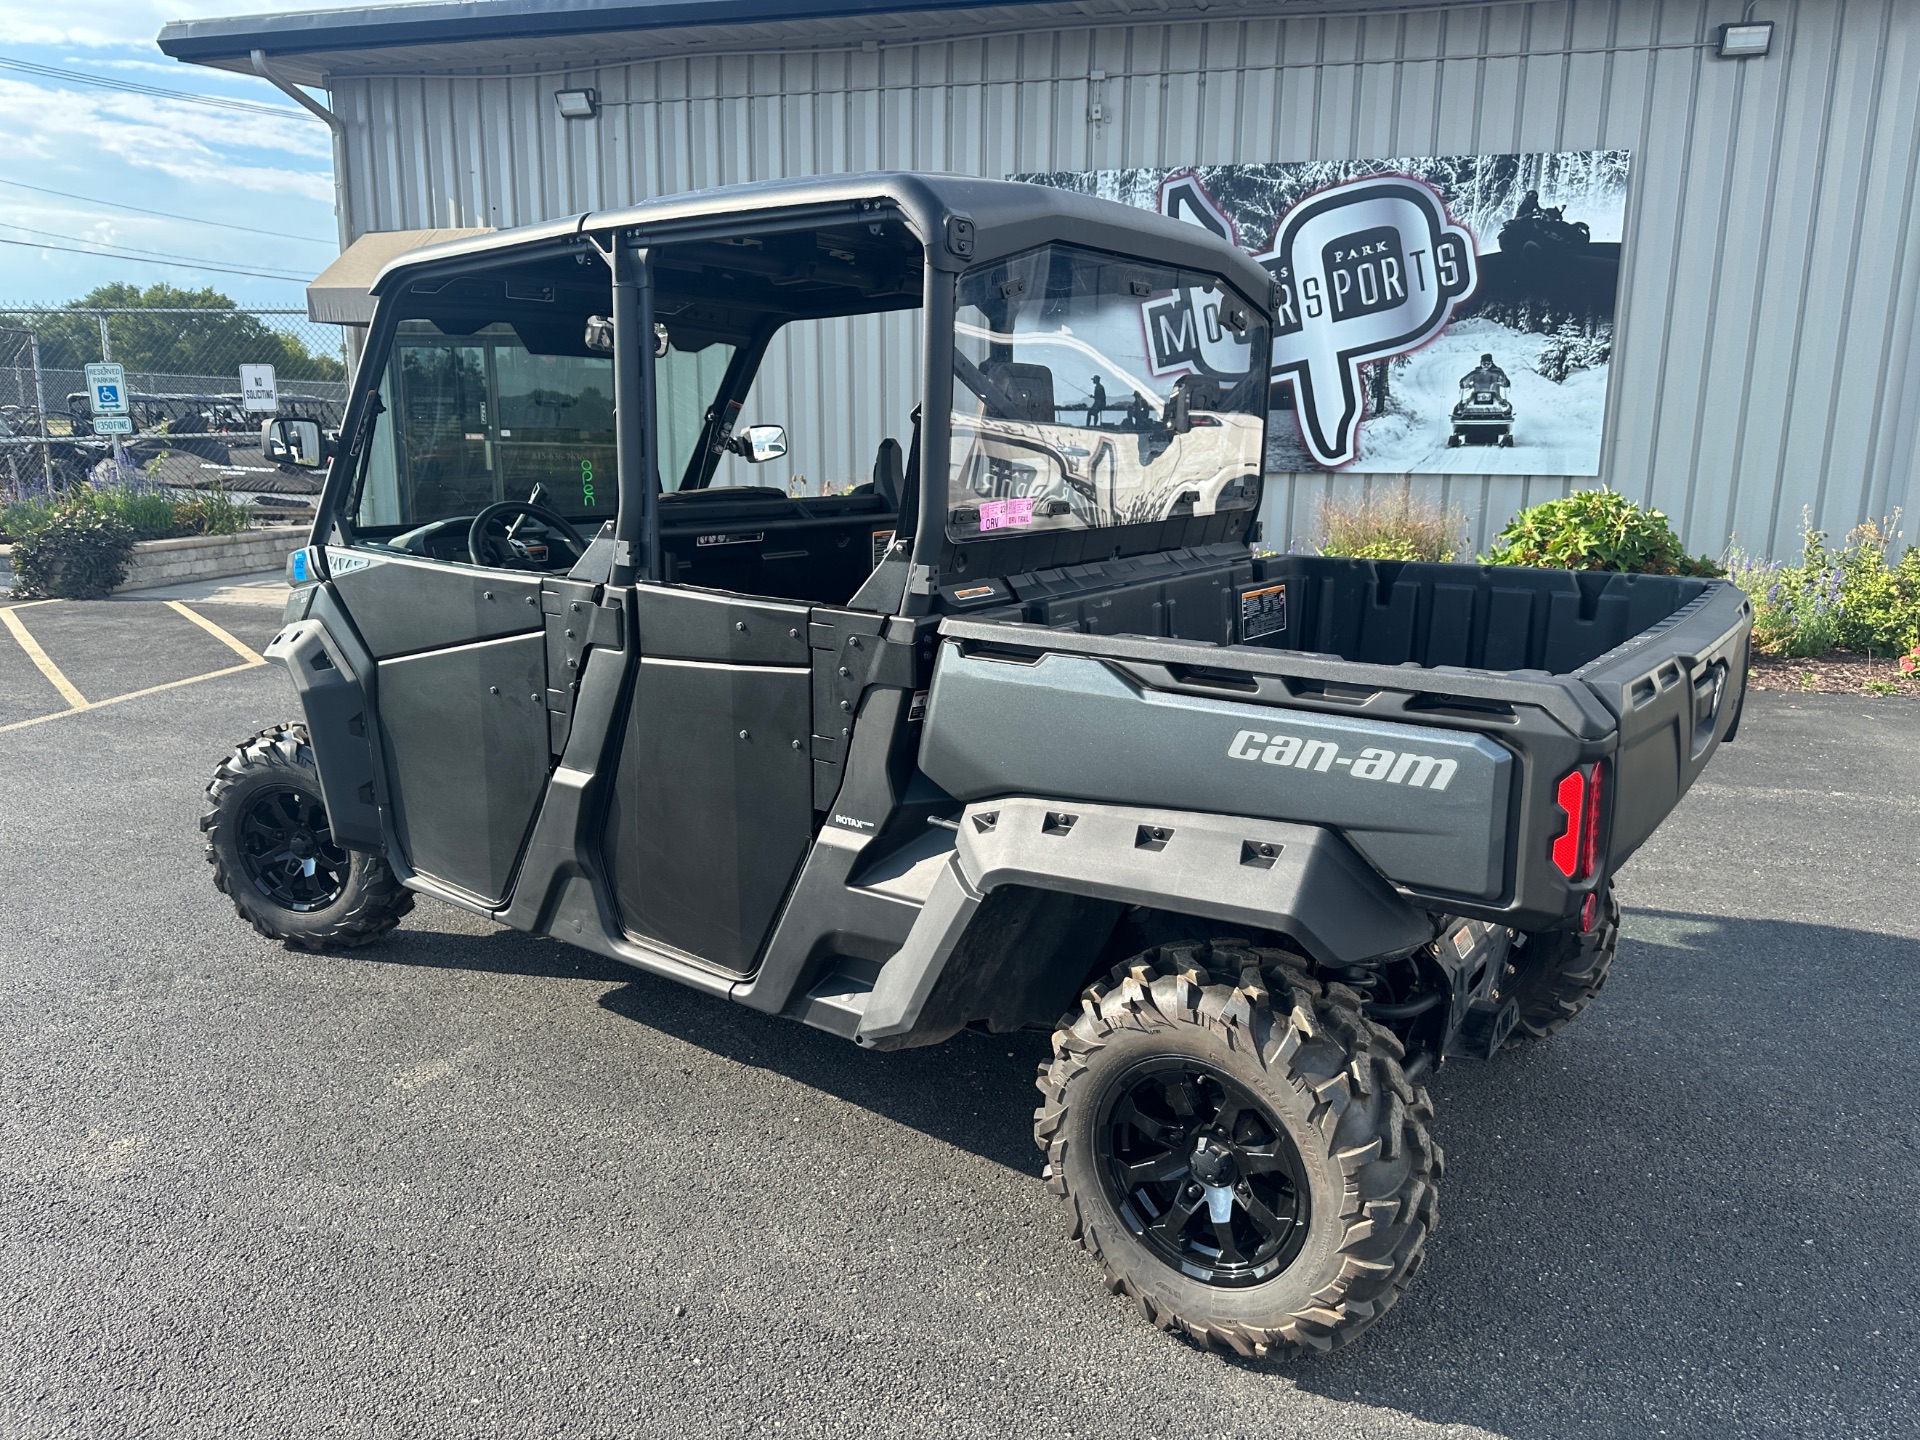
465 1183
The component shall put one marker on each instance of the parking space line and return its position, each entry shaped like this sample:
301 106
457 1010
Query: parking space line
253 664
43 661
240 648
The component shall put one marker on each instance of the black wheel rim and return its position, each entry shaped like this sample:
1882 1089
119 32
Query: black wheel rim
288 850
1203 1172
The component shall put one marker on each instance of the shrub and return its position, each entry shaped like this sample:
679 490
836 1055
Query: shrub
1835 599
1796 609
1881 603
1391 528
79 554
147 510
211 512
1596 530
21 518
149 514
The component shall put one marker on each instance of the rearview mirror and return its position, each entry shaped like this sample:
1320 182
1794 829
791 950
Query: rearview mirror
292 442
763 442
599 336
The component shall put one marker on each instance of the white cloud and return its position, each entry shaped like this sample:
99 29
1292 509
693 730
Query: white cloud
171 70
104 24
223 168
184 141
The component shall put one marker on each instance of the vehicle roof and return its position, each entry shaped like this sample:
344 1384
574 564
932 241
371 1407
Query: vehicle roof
1008 217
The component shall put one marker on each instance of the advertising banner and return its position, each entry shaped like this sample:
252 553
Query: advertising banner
1447 315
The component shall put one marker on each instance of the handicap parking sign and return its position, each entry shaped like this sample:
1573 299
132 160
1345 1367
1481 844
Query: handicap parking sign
107 388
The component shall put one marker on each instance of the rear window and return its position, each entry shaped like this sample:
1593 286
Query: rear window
1093 391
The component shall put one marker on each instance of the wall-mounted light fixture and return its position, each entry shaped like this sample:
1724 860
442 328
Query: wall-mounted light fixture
577 104
1748 40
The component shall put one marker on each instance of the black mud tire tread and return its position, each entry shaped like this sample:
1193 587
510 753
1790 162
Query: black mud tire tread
374 900
1556 974
1368 1123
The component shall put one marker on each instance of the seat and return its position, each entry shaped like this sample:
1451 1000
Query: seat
889 472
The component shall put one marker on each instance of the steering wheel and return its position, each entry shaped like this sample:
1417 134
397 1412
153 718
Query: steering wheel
484 549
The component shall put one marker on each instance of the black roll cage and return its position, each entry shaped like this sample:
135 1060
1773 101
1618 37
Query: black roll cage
951 242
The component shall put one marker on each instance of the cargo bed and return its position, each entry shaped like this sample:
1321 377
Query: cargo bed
1515 676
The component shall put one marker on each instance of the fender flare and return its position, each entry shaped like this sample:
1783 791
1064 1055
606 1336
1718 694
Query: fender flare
330 681
1301 880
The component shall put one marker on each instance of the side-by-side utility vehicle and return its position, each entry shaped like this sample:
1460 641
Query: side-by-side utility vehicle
952 693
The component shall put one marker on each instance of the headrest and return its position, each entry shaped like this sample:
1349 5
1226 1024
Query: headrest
889 472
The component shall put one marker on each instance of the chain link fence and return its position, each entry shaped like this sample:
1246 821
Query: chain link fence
192 428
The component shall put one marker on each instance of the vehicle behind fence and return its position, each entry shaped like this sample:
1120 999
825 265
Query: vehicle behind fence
193 430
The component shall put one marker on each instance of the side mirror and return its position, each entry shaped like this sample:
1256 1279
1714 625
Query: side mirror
763 442
1179 415
293 442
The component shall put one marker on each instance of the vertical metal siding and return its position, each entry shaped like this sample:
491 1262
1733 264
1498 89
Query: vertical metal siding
1767 352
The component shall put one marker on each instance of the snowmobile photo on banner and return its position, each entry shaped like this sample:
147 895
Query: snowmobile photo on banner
1484 415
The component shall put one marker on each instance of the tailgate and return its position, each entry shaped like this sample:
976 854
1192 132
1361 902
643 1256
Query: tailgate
1676 690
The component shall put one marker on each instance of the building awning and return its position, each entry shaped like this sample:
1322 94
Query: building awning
229 42
313 47
341 294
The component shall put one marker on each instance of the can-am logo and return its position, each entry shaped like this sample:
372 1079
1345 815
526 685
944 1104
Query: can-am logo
1395 767
1363 271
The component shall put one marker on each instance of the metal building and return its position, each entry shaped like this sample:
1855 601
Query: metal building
1766 359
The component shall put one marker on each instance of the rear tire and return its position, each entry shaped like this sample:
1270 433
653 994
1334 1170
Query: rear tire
273 854
1556 973
1319 1215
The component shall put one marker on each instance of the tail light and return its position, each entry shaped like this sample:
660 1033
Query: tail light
1576 849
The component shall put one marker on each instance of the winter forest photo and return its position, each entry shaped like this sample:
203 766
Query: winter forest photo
1516 383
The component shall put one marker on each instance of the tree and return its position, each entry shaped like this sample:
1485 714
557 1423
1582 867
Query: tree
217 342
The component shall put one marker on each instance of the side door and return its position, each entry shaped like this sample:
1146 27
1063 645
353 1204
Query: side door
460 685
711 810
460 648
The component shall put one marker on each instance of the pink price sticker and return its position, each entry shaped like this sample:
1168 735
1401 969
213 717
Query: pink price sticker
1004 514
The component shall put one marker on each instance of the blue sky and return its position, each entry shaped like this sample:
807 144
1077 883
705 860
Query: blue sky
233 169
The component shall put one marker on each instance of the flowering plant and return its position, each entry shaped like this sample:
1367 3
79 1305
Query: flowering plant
1845 597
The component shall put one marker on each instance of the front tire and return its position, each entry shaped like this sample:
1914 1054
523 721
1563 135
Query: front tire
273 854
1556 973
1240 1148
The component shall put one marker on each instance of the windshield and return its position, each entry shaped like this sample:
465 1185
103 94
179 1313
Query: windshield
475 417
1094 391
